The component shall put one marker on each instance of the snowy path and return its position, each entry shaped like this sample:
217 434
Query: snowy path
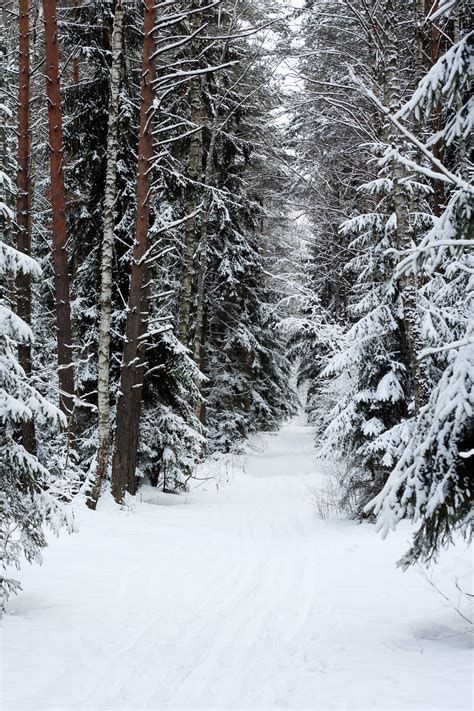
236 597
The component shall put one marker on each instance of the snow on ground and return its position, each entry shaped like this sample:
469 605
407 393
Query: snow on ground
235 596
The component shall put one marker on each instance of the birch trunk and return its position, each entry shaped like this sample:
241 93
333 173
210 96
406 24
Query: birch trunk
23 281
58 204
103 379
131 378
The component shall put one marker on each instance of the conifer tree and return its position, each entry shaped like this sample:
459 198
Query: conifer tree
24 192
58 205
131 378
30 498
430 483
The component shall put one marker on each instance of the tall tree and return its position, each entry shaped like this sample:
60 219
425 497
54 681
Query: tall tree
58 204
103 384
133 365
197 115
24 197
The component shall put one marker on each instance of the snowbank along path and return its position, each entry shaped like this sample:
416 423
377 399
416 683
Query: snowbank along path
235 596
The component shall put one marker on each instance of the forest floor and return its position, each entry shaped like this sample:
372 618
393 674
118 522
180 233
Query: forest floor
236 596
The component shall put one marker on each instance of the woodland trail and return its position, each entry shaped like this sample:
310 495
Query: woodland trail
235 596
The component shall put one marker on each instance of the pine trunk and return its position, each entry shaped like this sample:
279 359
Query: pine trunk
58 204
103 379
23 281
434 51
131 378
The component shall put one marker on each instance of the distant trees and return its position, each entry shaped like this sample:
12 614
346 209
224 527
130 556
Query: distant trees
388 85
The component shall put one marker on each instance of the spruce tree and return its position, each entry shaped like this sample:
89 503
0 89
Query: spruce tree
431 482
30 497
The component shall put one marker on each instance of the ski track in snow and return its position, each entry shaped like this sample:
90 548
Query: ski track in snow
235 597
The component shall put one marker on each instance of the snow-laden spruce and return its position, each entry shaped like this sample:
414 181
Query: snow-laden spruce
432 481
382 149
29 499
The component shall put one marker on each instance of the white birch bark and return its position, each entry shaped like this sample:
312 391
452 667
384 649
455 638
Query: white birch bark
103 381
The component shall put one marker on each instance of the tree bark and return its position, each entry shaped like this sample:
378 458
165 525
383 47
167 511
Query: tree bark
103 380
75 61
198 343
6 27
23 281
403 203
195 166
434 52
58 204
133 366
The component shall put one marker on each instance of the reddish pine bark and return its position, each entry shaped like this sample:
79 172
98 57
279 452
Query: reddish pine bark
59 227
133 367
23 204
434 51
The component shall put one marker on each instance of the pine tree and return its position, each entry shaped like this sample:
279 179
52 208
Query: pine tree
59 225
131 378
24 193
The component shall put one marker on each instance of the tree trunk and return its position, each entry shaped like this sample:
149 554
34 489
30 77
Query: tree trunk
60 260
23 281
103 380
198 343
75 61
403 203
434 51
192 194
6 31
131 378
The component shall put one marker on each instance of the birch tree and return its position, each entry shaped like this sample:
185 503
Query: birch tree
103 384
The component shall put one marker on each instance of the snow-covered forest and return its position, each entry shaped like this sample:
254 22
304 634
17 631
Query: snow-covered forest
236 354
